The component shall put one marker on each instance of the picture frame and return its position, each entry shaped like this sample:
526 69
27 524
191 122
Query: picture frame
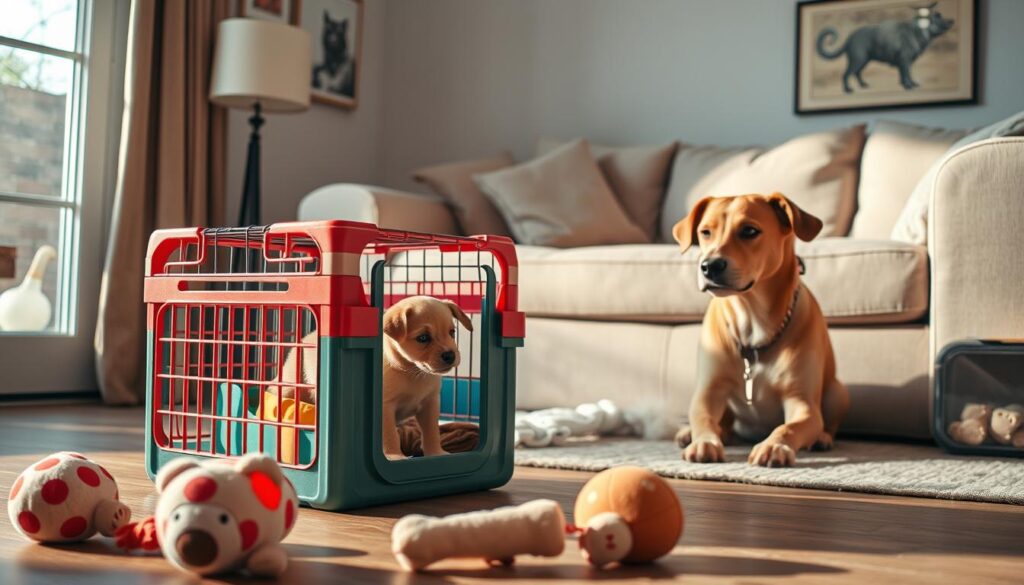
283 11
336 30
930 46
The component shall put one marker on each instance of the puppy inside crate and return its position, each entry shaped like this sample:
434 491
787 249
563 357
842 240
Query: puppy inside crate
427 336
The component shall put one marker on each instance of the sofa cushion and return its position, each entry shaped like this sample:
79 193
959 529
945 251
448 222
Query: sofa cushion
636 174
912 225
560 199
896 156
454 183
855 281
818 172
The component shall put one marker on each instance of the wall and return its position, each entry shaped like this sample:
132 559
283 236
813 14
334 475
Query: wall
467 78
322 145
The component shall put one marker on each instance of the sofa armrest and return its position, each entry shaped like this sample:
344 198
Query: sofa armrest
386 208
976 244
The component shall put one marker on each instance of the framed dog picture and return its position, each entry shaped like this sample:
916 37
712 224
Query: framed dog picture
871 54
336 28
283 11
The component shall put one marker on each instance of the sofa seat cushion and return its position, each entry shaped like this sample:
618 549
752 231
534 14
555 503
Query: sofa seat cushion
855 281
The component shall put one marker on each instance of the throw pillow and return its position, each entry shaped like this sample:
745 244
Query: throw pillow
895 157
912 225
560 199
454 182
636 174
817 171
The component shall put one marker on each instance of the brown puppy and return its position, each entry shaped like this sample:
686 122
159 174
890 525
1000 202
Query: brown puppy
419 346
766 368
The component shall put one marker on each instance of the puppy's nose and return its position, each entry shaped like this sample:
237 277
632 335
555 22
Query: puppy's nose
448 357
196 547
713 267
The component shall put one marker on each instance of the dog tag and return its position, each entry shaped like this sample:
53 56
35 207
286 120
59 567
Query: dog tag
748 375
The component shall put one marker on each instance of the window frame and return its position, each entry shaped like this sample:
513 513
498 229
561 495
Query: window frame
61 360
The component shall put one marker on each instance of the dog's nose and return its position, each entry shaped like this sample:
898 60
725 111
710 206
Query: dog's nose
448 357
196 548
713 267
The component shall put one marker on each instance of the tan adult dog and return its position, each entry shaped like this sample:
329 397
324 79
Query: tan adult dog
419 346
766 367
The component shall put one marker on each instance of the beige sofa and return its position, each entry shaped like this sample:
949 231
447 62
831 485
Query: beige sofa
622 322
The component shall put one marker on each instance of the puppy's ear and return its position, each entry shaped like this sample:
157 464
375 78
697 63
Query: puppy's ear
395 323
685 232
172 470
459 315
805 225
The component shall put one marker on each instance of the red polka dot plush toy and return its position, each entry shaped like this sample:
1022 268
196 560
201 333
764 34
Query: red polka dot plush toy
66 498
219 515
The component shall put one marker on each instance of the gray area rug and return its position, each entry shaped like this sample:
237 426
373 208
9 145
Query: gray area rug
855 466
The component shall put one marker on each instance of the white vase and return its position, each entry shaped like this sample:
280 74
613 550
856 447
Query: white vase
25 307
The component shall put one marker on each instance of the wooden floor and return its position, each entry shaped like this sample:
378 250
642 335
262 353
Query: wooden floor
734 533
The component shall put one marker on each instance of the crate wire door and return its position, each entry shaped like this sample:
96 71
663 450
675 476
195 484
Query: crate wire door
218 358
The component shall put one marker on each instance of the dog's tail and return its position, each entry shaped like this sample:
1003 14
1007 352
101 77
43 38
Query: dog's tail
828 35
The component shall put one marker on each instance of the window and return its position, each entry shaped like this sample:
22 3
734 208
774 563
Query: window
61 73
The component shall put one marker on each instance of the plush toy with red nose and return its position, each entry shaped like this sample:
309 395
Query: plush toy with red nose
219 516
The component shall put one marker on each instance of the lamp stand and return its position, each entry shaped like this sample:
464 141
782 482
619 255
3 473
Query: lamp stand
249 213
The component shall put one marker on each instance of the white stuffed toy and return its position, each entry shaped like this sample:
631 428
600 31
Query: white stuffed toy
553 426
65 497
219 516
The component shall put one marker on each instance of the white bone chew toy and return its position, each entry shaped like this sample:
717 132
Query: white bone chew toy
625 515
497 536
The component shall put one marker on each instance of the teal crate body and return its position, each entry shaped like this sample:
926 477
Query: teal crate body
350 469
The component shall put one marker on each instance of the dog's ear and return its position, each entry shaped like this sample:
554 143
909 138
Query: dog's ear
327 17
805 225
344 25
685 232
459 315
395 323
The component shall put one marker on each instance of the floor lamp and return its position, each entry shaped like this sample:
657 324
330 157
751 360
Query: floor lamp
263 67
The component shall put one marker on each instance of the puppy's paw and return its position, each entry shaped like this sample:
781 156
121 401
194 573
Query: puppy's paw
705 451
684 436
394 456
823 442
434 452
772 454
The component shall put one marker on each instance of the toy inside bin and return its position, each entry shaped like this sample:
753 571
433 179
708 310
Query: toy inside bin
979 398
237 438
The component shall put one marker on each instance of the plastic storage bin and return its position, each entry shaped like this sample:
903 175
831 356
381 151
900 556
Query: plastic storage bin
226 308
979 391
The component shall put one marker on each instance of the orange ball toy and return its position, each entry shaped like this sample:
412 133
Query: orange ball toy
627 514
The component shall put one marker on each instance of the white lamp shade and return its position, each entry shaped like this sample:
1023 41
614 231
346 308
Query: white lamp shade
260 61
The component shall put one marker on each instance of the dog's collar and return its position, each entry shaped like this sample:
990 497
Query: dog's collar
750 353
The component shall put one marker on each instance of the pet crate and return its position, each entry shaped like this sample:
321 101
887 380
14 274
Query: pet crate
228 310
982 382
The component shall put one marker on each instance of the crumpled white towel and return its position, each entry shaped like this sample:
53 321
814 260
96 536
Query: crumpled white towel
553 426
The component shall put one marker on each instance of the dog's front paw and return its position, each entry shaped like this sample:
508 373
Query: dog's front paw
824 442
772 454
684 436
434 452
705 451
394 456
